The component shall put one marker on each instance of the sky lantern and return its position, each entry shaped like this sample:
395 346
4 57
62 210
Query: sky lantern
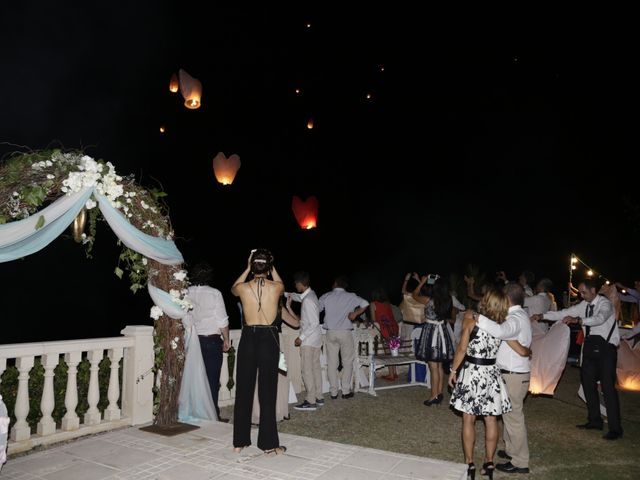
310 124
225 168
191 89
548 359
628 367
306 212
174 85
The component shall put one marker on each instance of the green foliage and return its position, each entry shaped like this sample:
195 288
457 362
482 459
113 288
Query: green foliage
134 263
9 389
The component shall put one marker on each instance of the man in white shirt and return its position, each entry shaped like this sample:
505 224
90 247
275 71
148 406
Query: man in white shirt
341 309
540 302
212 325
597 317
309 340
515 371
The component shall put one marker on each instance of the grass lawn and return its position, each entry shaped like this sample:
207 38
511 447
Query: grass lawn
397 421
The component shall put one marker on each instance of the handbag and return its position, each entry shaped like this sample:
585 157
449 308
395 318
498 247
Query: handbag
412 310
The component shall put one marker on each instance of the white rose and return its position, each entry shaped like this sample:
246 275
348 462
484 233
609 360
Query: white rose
90 204
156 312
181 275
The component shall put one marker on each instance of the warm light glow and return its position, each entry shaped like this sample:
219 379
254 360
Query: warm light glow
368 96
225 168
589 272
310 124
573 267
382 68
297 90
624 291
308 25
191 89
174 85
631 383
306 212
162 129
574 260
607 282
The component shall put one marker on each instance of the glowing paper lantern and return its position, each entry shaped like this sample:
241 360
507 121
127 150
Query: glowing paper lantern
174 85
310 124
225 168
191 90
162 129
306 212
548 359
628 368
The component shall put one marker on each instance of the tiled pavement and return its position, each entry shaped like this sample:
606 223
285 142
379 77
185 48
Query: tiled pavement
206 453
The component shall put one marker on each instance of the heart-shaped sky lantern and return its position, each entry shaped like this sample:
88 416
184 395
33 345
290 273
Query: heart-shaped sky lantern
306 212
225 168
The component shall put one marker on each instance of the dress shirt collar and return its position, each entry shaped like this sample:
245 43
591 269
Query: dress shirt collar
305 293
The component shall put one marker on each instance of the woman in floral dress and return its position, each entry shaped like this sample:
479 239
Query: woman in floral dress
478 387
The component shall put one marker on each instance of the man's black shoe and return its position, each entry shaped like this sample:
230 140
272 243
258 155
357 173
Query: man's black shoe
590 426
503 454
223 420
611 435
334 397
511 468
347 395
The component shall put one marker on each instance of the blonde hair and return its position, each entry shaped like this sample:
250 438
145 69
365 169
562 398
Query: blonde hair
494 305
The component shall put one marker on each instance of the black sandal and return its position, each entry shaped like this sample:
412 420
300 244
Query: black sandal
487 469
278 450
471 471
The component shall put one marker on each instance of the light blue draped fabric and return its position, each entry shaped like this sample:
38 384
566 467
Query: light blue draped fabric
164 251
20 239
165 302
195 402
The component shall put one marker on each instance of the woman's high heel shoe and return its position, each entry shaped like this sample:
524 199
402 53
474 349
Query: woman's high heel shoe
487 469
434 401
471 471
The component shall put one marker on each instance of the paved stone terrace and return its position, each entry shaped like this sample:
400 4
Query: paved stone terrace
206 453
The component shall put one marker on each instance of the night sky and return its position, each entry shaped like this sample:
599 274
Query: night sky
484 142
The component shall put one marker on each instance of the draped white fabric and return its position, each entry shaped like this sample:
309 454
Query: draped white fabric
195 400
4 430
24 237
549 358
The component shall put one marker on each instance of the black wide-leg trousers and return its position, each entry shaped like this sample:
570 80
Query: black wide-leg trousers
258 355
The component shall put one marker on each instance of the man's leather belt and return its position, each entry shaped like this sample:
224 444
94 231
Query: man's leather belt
509 372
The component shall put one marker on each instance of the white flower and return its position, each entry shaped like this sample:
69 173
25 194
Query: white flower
15 194
144 261
90 204
174 345
48 163
144 205
181 275
156 312
50 177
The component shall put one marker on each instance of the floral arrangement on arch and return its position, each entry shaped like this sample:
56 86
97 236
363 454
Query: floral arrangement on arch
32 180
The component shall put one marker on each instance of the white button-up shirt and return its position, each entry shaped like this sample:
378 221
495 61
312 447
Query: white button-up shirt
209 314
601 321
310 330
517 326
540 303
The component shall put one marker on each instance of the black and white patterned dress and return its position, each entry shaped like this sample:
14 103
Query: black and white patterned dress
479 389
436 339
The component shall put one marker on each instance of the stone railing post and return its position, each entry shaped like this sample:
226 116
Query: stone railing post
137 375
113 394
93 417
21 430
46 425
70 421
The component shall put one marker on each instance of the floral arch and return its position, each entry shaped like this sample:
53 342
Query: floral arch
43 192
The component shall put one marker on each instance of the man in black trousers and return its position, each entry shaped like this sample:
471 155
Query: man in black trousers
597 317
